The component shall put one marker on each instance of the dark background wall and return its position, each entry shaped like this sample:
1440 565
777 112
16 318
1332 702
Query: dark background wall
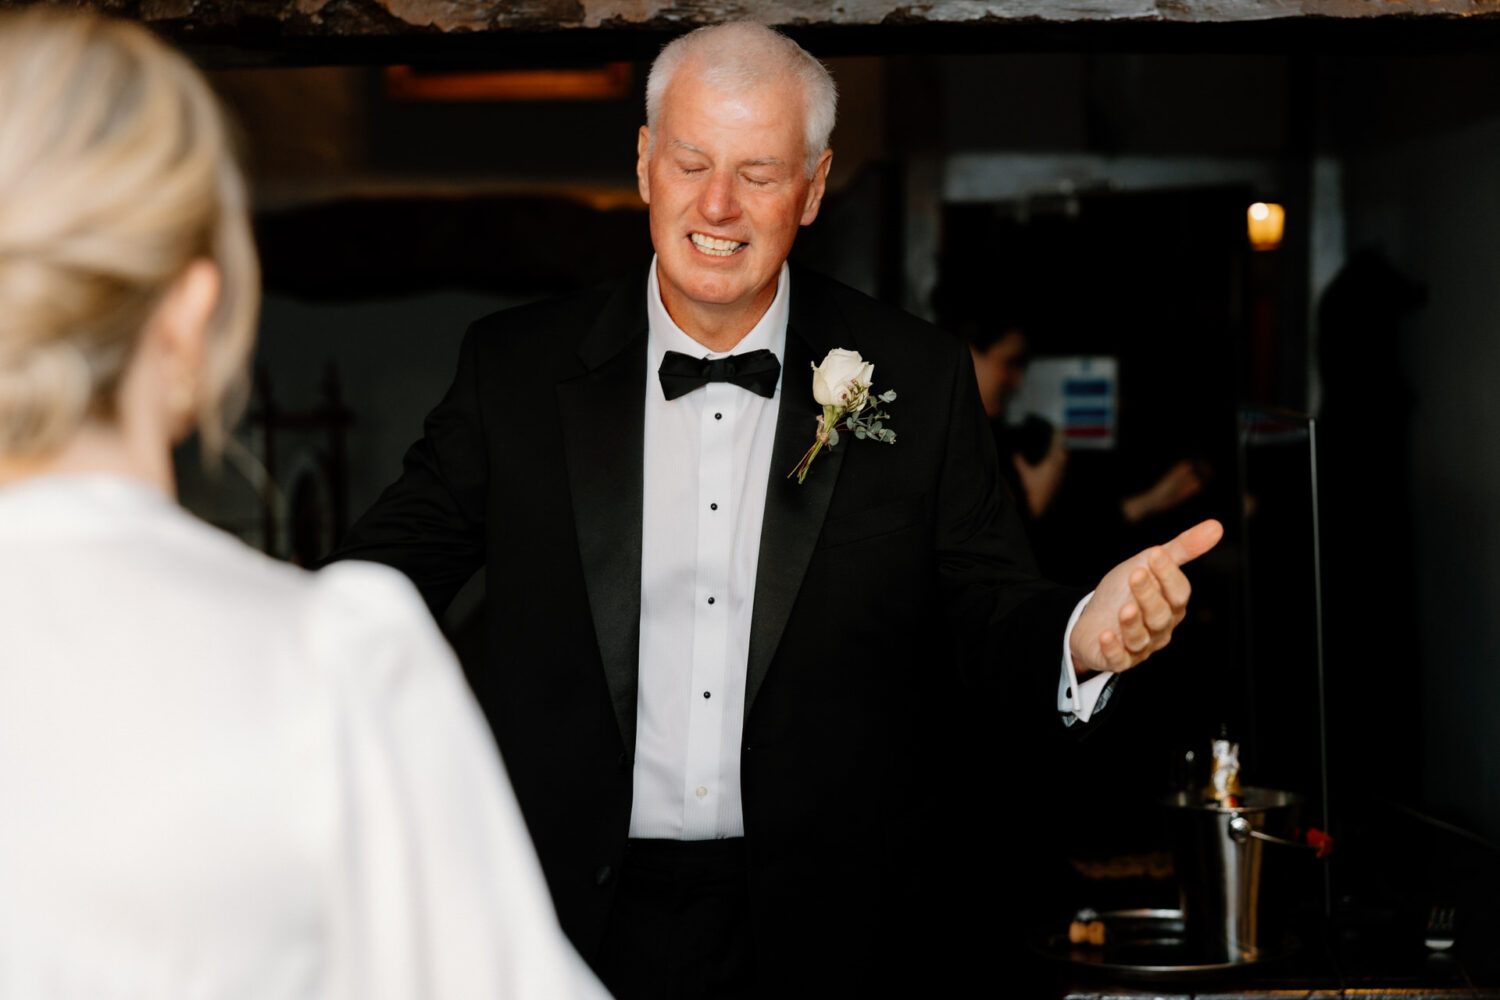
1420 139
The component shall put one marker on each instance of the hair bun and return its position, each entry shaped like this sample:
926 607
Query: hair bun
45 390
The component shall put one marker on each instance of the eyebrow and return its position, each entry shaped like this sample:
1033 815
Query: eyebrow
760 161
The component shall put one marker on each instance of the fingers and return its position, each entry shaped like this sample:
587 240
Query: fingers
1169 578
1116 657
1179 472
1154 602
1133 631
1149 592
1194 482
1187 485
1195 541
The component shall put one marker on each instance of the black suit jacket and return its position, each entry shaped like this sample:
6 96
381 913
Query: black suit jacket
893 584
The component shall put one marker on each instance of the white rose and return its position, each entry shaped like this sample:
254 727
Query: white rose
833 379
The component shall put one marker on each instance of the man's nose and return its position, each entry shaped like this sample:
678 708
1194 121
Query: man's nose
718 202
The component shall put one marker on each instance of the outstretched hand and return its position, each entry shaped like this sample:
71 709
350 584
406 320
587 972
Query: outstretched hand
1138 603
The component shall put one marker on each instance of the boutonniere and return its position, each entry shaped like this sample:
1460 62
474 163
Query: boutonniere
842 385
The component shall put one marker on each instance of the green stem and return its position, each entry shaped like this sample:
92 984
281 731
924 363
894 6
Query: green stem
801 470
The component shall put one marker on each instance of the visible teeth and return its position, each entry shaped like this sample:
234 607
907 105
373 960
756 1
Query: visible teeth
714 247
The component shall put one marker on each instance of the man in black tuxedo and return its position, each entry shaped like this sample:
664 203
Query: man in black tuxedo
721 693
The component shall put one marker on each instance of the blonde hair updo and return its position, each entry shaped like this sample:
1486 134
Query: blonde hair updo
116 173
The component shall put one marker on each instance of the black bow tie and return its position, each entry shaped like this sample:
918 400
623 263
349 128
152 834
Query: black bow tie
753 370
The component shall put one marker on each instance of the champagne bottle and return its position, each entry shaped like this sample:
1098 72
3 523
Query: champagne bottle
1224 779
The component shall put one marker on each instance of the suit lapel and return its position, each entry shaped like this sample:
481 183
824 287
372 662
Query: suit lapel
602 413
794 513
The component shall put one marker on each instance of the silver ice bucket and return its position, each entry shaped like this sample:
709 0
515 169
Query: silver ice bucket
1236 895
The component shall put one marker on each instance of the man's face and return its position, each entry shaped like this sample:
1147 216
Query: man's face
727 187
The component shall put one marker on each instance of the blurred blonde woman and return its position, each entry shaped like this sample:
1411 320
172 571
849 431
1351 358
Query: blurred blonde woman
220 776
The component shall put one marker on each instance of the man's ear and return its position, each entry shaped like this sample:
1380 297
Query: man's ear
816 188
642 164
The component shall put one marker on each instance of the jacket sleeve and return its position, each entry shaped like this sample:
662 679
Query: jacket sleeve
1008 620
429 524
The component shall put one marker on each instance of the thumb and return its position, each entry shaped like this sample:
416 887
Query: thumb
1195 541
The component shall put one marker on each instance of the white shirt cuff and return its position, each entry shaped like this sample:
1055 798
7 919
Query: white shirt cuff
1076 701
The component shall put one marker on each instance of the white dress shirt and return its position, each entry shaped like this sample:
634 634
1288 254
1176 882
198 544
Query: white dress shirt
707 459
706 465
225 777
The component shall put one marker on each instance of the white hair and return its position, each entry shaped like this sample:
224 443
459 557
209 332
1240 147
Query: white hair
736 56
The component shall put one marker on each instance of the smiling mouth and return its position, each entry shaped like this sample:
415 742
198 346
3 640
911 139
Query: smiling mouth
715 247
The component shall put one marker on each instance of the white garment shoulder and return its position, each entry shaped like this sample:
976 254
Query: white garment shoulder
224 776
366 623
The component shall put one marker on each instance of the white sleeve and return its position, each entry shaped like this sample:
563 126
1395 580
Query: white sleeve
1078 702
440 894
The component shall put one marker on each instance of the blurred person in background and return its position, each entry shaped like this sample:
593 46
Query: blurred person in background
1034 458
221 776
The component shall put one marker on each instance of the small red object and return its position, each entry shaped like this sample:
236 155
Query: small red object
1322 841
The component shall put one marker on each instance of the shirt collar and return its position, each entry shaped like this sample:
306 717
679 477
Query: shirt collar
664 335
